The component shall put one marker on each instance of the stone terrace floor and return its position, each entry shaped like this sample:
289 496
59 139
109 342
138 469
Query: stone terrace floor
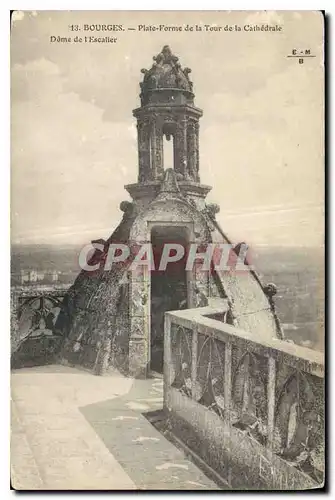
71 430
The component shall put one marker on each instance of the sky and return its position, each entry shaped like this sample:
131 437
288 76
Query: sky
73 136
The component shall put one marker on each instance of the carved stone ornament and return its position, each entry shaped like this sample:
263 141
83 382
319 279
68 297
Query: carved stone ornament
166 72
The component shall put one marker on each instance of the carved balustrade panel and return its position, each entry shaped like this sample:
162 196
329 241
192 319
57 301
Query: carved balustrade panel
299 423
37 335
273 394
181 343
249 393
37 316
209 386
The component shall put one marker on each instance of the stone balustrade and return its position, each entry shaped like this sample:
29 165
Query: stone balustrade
34 311
251 408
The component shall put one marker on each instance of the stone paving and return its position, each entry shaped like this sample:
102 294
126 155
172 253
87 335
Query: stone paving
73 430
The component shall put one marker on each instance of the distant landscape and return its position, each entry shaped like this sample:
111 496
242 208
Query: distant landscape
297 272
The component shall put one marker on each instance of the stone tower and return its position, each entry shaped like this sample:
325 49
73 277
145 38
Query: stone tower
167 110
116 315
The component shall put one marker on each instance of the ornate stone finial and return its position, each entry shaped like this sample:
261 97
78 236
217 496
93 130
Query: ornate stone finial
270 290
213 209
165 56
166 72
126 206
187 71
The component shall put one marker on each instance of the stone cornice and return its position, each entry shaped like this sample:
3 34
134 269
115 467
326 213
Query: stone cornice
145 190
194 188
161 108
151 189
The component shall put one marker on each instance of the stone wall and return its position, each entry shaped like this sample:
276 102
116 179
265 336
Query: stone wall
253 410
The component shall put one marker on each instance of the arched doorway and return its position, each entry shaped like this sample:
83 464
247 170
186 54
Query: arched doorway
169 286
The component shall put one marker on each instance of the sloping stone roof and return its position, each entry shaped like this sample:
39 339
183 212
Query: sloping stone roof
93 302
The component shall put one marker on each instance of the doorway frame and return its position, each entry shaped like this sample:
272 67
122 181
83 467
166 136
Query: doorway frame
190 275
140 313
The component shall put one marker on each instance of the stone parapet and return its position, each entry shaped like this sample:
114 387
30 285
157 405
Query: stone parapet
256 405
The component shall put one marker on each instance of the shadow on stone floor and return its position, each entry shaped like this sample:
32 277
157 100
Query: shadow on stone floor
150 460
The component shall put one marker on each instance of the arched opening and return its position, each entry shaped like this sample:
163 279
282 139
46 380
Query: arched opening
168 286
168 152
169 146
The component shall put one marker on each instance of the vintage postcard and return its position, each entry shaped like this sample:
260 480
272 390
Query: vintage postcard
167 250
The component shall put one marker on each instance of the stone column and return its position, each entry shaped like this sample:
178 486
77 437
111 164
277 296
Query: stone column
228 379
196 140
139 319
168 366
143 141
192 151
159 152
194 366
228 402
156 149
181 147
